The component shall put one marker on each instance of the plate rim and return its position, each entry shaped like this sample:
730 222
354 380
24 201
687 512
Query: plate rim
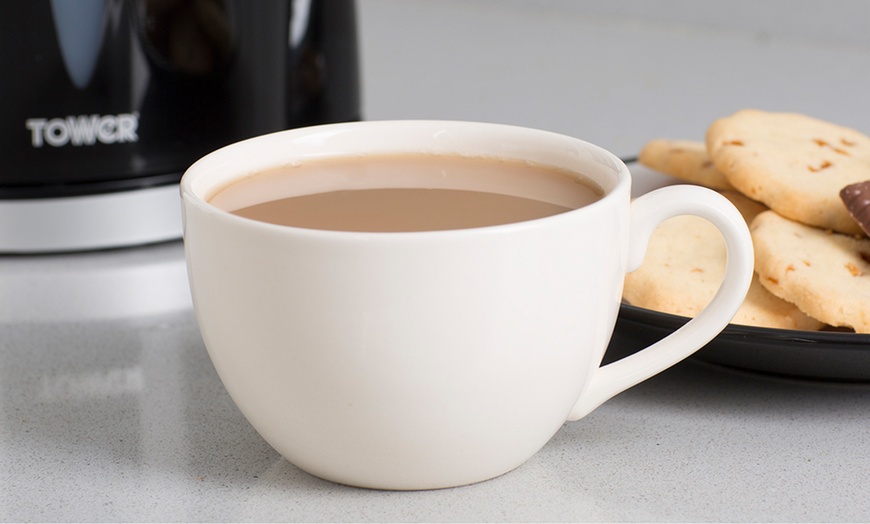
760 334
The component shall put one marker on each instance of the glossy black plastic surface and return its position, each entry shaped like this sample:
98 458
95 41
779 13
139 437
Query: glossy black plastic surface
161 84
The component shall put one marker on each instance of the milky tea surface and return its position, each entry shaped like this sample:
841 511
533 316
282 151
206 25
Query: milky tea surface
405 192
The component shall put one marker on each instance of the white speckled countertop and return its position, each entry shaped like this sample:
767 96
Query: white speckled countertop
111 411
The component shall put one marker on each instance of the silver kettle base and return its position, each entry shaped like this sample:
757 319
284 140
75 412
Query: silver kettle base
84 223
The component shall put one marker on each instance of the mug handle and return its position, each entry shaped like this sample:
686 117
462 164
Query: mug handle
647 212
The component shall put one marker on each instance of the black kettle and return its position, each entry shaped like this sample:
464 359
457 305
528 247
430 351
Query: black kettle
106 102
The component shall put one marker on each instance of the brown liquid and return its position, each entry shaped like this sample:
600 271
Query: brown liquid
405 193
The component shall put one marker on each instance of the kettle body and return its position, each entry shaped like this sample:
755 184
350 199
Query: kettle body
106 103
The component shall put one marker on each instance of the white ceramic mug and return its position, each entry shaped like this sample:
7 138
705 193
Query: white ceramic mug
431 359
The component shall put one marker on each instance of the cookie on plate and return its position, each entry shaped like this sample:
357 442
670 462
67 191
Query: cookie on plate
684 159
684 265
826 274
793 163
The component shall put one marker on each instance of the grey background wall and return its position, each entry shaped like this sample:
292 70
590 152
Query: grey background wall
616 72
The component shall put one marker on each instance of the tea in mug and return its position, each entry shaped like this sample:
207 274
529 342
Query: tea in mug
404 193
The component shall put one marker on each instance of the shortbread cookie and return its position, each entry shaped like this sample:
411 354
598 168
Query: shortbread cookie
684 159
826 274
684 265
793 163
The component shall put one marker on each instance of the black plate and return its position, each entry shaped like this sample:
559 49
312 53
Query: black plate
826 355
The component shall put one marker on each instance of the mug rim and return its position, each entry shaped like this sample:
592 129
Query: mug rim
248 157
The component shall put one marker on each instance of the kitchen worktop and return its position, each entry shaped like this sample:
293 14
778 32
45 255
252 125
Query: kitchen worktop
110 409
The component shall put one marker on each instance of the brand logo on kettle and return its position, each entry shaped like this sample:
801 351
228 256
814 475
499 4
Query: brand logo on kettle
83 130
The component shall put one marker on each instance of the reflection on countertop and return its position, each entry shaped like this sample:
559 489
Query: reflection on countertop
108 401
97 285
